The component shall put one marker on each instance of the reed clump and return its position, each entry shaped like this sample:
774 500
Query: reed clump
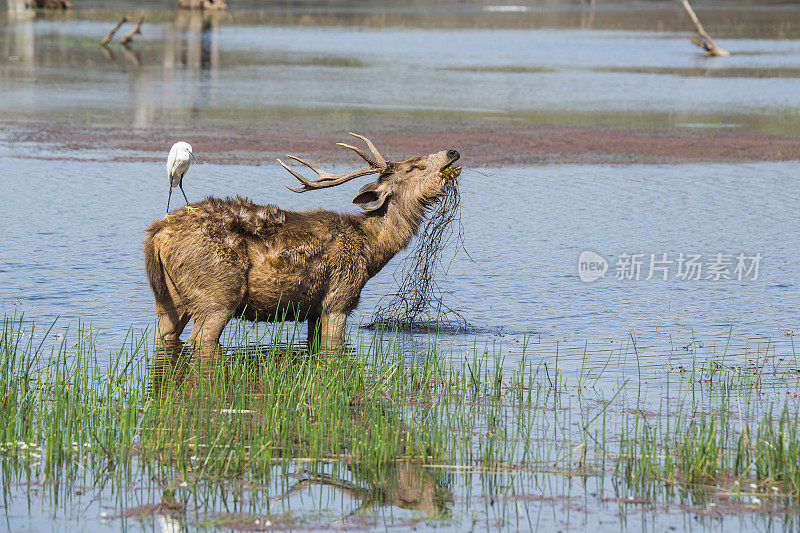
263 404
383 414
717 445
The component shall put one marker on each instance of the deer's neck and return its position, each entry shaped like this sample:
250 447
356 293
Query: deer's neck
390 233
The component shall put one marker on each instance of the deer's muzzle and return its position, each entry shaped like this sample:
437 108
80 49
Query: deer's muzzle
453 156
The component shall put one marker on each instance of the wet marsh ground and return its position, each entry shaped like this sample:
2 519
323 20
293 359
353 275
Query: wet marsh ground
629 401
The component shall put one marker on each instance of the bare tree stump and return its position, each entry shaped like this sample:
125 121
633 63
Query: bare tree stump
138 29
107 38
704 41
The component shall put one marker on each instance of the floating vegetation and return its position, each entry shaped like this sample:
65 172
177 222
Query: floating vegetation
232 444
704 72
516 69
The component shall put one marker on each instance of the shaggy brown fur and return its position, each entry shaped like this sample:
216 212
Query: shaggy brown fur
230 257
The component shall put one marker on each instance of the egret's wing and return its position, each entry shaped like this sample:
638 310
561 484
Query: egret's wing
171 159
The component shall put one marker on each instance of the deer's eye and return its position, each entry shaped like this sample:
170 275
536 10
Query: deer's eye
418 166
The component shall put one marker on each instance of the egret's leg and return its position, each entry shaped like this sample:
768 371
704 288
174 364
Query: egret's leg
188 207
168 199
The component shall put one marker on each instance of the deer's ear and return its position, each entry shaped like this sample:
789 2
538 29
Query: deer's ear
371 196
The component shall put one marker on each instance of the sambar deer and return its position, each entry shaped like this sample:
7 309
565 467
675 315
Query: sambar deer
230 257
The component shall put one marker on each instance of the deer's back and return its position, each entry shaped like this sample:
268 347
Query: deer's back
233 252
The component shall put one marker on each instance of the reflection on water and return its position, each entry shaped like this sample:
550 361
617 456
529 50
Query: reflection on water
188 56
190 67
402 484
191 58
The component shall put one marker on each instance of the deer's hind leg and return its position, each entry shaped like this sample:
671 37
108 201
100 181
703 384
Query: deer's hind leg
170 323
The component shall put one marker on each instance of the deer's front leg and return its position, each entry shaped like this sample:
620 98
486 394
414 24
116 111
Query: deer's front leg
206 332
331 331
313 333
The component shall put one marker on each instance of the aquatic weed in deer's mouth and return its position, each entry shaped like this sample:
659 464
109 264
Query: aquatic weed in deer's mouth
418 303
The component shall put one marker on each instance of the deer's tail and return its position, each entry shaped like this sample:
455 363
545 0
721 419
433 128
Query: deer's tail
154 268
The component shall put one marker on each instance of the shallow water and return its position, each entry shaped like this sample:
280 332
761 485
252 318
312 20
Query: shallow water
74 230
518 504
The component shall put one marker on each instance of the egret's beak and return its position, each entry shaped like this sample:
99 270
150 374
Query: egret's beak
193 157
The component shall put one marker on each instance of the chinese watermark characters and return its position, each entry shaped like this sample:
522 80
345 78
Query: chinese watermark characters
664 266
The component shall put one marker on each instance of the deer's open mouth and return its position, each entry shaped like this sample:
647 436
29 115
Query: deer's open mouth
450 172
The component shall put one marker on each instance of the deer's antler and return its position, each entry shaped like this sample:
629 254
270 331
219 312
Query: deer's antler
376 159
326 179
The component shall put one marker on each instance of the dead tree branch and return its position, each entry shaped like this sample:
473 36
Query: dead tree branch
704 41
107 38
129 37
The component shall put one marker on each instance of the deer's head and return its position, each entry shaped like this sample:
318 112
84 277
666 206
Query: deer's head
417 180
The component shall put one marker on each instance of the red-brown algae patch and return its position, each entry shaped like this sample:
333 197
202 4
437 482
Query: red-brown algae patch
482 144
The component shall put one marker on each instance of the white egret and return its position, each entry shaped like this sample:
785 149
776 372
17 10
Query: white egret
177 166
